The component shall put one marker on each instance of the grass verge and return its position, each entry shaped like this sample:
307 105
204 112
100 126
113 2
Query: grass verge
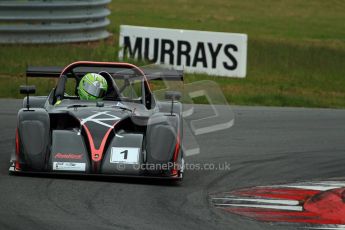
296 50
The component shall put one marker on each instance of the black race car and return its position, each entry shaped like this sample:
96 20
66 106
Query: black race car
128 133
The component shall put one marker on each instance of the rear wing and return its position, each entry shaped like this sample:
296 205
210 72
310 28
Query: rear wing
151 73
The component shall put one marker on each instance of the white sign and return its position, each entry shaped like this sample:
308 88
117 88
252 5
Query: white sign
214 53
124 155
68 166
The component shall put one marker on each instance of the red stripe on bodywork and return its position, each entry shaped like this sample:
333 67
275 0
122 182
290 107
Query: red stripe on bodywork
177 146
97 154
174 171
17 165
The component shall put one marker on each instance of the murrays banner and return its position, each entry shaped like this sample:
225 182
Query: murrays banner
213 53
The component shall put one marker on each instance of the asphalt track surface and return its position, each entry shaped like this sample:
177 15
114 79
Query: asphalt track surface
265 146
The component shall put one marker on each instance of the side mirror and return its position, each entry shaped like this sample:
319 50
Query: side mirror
27 89
172 95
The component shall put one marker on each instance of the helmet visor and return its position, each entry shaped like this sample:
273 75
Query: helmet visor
94 89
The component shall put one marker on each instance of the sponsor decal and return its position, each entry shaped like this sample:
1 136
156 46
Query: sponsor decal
69 166
318 204
223 54
125 155
68 156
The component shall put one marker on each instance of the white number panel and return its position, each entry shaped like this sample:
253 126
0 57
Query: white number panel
124 155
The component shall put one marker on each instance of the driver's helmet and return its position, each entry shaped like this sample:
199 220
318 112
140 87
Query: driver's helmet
92 87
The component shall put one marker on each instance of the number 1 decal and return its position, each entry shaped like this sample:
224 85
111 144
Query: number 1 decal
125 153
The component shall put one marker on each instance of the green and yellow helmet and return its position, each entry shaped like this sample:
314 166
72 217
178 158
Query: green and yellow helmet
92 87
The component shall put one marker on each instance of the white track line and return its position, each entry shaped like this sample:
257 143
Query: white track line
333 183
263 201
327 183
312 187
337 227
278 207
317 185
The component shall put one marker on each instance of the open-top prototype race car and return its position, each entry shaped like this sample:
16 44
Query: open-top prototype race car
127 133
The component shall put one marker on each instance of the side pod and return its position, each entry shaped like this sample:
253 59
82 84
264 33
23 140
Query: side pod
34 138
162 138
